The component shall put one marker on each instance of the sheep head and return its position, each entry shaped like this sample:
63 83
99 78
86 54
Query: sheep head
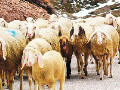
111 20
31 28
31 56
99 34
30 20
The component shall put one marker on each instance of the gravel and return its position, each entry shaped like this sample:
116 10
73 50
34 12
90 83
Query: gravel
91 82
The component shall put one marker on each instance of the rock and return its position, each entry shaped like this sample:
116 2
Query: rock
21 10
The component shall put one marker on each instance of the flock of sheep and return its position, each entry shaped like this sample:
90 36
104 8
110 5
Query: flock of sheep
42 47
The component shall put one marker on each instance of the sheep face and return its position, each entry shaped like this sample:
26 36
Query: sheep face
30 20
30 30
109 19
32 56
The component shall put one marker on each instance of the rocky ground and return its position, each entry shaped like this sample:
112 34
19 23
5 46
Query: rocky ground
91 82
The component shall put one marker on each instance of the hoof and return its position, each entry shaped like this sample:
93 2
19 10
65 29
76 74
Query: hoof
78 71
111 76
82 77
86 74
101 79
68 77
119 62
98 74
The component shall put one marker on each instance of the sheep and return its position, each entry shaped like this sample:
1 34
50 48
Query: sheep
81 33
14 24
37 44
31 28
53 18
50 35
41 23
66 50
12 44
3 23
65 26
114 21
95 21
30 20
47 69
104 43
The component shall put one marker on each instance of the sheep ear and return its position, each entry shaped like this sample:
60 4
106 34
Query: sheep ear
115 24
72 31
3 48
81 31
60 33
40 60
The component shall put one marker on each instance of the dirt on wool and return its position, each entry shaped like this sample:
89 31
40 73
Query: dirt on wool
21 10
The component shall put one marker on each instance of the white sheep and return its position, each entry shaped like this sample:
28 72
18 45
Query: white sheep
12 44
3 23
65 25
104 43
95 20
31 28
50 35
47 69
41 23
53 18
30 51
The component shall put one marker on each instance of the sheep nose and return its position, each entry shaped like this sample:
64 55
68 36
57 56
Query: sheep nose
99 42
29 35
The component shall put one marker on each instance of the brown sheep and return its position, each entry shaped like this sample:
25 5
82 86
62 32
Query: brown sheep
66 50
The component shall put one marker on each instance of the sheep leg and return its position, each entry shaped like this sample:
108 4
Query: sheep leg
105 65
91 59
11 73
68 68
101 70
78 61
21 80
35 85
41 87
111 67
86 63
119 57
52 87
8 80
62 79
30 82
5 81
81 64
1 88
97 67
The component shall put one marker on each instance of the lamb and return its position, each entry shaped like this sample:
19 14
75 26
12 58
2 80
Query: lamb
104 43
49 68
12 44
50 35
81 33
66 50
37 44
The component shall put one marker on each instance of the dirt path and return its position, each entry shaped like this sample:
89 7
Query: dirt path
91 82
